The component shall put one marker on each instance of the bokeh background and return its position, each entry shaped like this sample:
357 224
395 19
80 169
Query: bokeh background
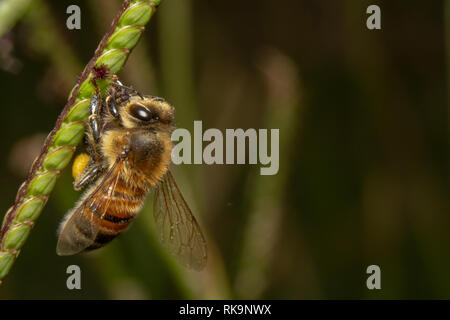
364 146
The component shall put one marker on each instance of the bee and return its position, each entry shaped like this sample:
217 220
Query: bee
129 152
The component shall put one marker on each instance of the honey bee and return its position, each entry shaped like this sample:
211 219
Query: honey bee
129 152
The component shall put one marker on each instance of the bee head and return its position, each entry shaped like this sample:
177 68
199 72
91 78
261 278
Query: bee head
147 111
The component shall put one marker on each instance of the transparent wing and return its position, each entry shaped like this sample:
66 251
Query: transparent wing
80 226
177 227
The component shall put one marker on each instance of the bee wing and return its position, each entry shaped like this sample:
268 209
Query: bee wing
178 229
77 231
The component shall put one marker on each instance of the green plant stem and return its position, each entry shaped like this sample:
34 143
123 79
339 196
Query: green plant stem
112 53
10 13
266 212
140 70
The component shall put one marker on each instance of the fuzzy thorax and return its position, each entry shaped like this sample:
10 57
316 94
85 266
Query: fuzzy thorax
148 157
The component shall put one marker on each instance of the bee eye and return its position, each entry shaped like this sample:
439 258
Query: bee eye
142 113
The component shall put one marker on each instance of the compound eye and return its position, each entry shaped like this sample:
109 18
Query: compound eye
140 112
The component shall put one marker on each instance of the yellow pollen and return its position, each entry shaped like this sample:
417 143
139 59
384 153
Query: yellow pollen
79 164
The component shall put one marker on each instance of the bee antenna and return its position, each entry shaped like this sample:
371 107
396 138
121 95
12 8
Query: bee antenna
120 84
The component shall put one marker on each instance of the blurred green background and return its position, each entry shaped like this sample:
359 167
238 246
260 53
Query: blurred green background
364 140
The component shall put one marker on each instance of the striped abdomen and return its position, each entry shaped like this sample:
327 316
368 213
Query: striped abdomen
112 212
100 216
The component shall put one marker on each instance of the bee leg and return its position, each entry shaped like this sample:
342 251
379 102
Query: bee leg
112 107
87 176
116 83
94 120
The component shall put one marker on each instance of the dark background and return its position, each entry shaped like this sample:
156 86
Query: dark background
364 136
